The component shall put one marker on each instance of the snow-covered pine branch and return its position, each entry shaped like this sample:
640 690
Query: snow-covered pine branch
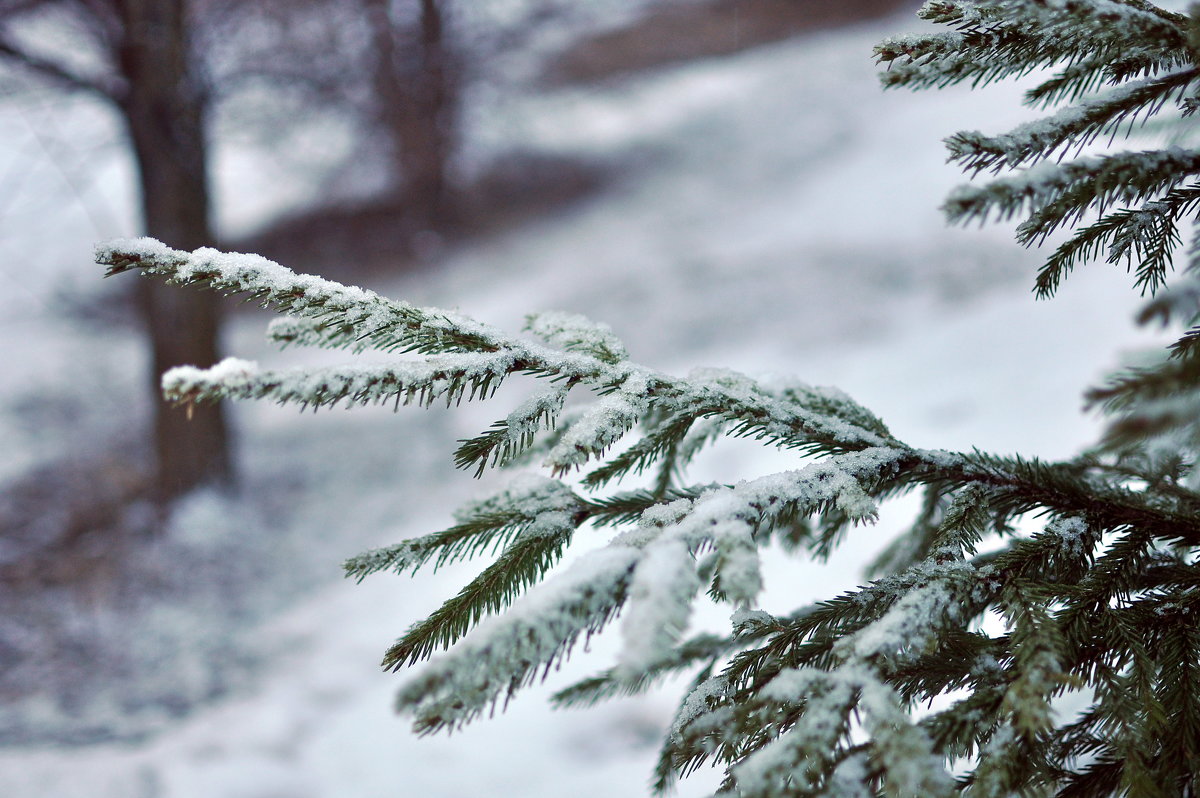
821 421
994 39
508 626
387 325
1073 126
1142 51
897 687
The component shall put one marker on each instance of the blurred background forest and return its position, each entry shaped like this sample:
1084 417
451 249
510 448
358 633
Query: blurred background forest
722 181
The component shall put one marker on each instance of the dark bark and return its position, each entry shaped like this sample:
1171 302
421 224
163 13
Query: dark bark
417 86
164 107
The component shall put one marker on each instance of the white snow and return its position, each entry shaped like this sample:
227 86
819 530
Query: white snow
230 372
656 614
476 673
573 331
598 427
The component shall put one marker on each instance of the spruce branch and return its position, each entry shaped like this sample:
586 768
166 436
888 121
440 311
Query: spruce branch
1147 235
1081 78
657 443
1059 194
525 559
482 526
1075 126
1143 52
451 378
1000 39
1134 387
808 419
529 639
510 437
628 507
1100 601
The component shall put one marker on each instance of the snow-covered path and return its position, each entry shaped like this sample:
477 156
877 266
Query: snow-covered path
783 219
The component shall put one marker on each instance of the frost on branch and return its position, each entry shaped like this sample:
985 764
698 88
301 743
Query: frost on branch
532 506
1032 632
574 333
513 649
845 674
1142 53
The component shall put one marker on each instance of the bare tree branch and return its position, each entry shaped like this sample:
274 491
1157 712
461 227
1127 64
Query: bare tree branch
56 72
102 21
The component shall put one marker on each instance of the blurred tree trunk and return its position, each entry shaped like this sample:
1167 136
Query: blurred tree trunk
417 81
164 108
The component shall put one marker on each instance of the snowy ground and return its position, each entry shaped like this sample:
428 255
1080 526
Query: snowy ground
781 218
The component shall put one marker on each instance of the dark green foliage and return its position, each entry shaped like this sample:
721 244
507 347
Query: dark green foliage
511 437
522 563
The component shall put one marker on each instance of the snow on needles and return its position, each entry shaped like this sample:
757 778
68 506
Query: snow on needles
573 332
241 270
230 373
530 505
651 569
425 381
507 651
660 601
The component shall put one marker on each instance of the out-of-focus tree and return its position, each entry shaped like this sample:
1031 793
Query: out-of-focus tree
142 58
417 77
411 73
168 67
402 71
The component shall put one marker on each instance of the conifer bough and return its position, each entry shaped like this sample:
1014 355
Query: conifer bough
1090 683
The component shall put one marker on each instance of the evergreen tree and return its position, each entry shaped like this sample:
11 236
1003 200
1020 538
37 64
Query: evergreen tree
1089 685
